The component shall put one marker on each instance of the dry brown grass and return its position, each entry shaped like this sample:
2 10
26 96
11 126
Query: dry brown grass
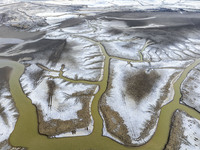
4 80
36 76
136 82
115 124
55 56
51 88
56 126
119 132
176 133
5 74
151 123
3 143
3 114
140 85
18 148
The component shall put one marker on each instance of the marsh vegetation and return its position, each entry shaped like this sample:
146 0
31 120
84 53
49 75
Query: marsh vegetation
141 84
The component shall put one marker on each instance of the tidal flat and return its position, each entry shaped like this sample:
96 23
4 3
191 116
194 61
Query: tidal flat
82 77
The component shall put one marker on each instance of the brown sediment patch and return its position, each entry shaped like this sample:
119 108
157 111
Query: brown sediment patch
140 85
176 132
56 126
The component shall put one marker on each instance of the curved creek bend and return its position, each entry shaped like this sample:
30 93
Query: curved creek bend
26 133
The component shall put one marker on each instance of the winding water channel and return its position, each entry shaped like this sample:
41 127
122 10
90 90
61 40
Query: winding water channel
26 130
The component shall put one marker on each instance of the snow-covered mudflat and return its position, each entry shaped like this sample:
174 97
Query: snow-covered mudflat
8 112
64 105
137 89
185 132
190 89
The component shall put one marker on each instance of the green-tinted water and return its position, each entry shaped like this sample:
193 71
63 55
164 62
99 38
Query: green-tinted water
26 131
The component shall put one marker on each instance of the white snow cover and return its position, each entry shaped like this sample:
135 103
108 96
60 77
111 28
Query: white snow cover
10 113
184 49
86 61
56 17
83 60
127 108
170 64
140 4
191 128
190 89
64 105
78 29
26 81
83 131
125 49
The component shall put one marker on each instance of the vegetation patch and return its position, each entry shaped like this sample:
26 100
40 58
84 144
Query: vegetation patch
176 132
57 126
140 85
51 85
115 124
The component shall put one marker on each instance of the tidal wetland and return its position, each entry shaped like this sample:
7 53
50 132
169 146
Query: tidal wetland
73 82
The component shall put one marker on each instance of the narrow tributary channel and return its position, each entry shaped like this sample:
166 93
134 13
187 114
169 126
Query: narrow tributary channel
26 130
